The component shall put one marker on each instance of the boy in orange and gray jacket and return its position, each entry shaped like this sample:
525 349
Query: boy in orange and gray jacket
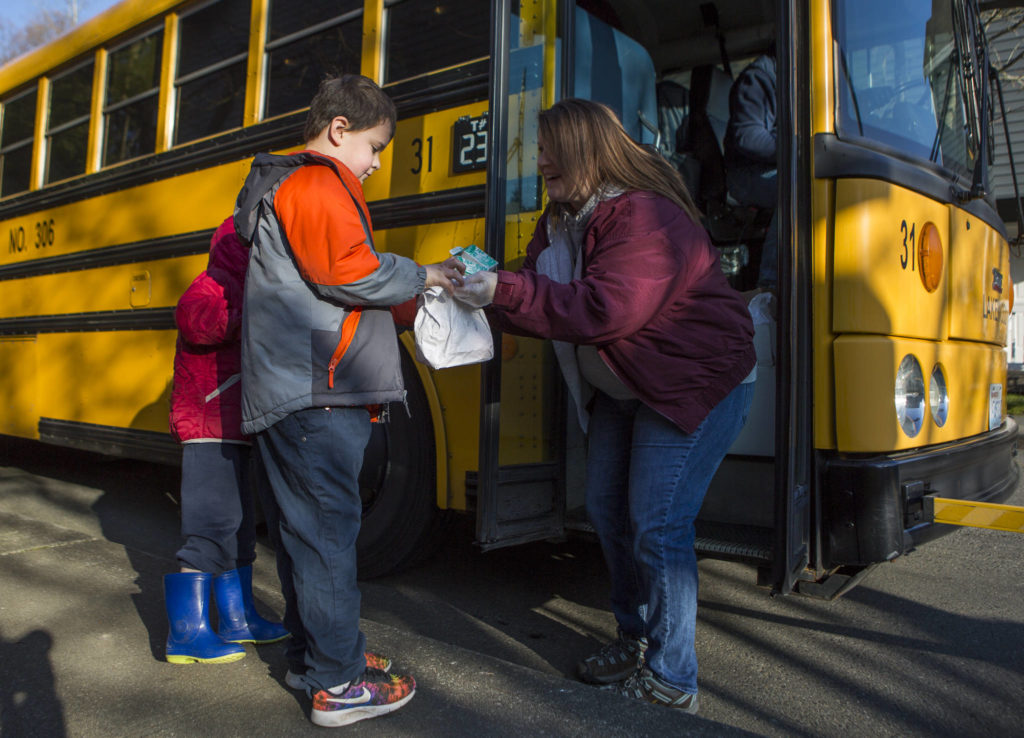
320 356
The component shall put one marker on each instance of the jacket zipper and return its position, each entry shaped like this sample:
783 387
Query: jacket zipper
348 332
224 387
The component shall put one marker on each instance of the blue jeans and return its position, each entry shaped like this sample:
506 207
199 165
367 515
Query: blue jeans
295 650
216 507
312 460
646 481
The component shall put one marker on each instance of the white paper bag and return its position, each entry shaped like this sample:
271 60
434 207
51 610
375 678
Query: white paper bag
450 333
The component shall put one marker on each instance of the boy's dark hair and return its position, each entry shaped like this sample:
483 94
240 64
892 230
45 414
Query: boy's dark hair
353 96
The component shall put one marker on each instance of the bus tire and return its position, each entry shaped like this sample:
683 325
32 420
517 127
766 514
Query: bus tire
401 521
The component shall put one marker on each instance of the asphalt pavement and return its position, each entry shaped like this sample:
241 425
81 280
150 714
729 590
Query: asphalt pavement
931 644
82 629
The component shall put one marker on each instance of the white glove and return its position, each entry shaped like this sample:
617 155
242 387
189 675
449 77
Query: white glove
478 289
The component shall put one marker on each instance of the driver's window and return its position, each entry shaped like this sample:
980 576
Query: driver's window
899 79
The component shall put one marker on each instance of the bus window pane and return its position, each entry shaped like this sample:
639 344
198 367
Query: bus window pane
17 170
134 69
19 119
70 96
212 34
899 79
287 18
426 35
213 103
66 153
130 131
296 69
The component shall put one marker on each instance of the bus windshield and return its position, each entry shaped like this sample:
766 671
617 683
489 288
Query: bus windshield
902 80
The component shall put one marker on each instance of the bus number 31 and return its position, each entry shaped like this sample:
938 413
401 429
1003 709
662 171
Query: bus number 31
909 253
417 144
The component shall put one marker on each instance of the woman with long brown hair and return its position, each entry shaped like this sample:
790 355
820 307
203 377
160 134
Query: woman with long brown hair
657 351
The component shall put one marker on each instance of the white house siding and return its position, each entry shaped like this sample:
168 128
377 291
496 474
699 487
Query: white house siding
1005 30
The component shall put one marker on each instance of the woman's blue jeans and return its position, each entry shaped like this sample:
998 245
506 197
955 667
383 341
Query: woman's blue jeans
646 481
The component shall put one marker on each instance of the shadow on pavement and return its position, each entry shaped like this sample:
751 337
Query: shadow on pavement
136 505
548 607
28 696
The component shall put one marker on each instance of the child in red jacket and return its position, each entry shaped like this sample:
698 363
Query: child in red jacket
216 496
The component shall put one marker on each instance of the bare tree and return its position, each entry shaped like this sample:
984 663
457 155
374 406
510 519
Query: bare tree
42 27
1007 58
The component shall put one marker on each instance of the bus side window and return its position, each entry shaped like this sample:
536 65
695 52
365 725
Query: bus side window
420 39
67 134
305 42
19 115
130 107
210 81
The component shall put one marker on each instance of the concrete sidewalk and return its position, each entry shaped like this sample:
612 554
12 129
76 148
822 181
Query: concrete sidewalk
82 630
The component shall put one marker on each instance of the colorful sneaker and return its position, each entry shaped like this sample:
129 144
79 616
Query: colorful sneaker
377 693
646 685
294 680
614 661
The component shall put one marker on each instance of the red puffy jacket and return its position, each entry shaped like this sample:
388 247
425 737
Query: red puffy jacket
206 399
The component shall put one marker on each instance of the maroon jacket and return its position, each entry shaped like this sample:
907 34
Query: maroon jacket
207 394
652 298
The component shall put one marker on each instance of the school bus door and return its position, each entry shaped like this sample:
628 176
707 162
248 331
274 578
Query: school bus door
794 448
520 486
518 502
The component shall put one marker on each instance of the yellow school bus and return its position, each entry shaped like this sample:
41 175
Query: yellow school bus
881 368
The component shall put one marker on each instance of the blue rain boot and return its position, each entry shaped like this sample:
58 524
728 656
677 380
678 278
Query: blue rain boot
238 621
191 639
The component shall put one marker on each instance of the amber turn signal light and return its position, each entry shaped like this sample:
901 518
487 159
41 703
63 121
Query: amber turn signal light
929 257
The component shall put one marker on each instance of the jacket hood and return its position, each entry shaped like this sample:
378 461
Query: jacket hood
766 64
267 171
227 251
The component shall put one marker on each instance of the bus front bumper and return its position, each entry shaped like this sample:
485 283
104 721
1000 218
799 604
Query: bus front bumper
873 508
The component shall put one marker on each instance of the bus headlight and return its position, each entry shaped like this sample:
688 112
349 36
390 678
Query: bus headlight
909 395
938 397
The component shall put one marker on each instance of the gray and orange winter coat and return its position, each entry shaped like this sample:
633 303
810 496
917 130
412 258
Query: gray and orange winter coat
317 327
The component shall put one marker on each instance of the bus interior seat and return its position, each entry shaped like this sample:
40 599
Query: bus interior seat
705 133
717 109
735 229
623 80
673 105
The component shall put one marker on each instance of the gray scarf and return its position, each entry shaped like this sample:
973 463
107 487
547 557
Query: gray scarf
562 262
